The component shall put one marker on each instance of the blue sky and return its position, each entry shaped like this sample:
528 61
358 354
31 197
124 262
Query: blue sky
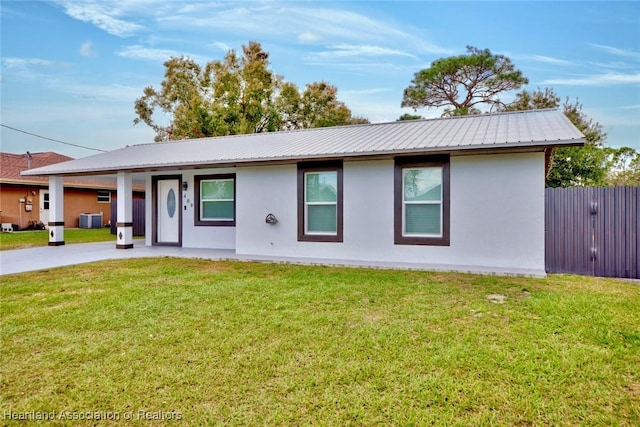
71 70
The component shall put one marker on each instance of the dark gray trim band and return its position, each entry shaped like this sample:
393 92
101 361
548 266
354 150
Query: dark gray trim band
55 224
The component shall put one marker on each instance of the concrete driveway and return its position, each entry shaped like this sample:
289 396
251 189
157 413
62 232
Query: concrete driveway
46 257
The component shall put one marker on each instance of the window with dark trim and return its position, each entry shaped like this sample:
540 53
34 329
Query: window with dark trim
104 196
421 201
215 203
320 201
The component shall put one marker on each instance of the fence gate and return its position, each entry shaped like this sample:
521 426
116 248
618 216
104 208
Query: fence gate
593 231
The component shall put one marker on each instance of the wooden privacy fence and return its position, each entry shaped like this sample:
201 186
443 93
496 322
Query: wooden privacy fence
593 231
138 217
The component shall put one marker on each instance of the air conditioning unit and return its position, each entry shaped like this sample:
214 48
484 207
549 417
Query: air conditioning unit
89 220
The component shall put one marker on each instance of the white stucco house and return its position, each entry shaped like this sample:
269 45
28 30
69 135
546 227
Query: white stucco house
461 194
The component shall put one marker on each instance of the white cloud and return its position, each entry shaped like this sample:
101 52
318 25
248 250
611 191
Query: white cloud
20 63
545 59
630 107
610 119
222 46
97 125
354 34
308 37
141 52
614 65
86 49
302 23
189 8
370 91
112 92
362 67
347 50
31 70
596 80
104 15
627 53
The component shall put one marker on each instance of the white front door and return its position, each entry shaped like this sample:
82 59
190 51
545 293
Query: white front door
168 213
44 207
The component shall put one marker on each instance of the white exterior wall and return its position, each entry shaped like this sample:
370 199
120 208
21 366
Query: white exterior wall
496 222
497 215
192 236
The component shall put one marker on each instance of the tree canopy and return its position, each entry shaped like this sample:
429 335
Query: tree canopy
407 116
592 164
463 83
236 95
624 167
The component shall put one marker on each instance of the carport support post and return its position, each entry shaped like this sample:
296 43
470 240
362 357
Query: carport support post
124 226
56 211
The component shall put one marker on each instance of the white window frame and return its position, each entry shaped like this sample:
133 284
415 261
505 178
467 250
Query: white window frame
203 200
333 166
199 201
405 233
400 237
307 204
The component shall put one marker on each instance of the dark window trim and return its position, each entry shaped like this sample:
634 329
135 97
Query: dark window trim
328 166
422 161
213 223
154 202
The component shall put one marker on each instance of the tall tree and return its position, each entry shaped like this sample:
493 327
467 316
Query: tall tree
321 106
462 83
534 100
407 116
181 97
236 95
317 106
624 167
570 166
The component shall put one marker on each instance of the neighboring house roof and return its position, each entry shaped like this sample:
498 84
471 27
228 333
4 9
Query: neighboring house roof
12 165
534 129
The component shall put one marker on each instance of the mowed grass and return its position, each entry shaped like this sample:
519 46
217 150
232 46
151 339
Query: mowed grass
262 344
29 239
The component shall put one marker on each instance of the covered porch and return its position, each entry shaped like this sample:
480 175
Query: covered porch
124 181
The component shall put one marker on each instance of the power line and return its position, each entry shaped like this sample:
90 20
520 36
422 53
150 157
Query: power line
51 139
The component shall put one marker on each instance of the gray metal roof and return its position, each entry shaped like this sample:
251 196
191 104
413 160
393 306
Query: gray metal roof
504 131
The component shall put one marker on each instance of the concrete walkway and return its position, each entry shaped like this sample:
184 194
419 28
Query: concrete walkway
46 257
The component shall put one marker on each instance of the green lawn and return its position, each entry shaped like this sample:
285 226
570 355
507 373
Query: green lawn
29 239
261 344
